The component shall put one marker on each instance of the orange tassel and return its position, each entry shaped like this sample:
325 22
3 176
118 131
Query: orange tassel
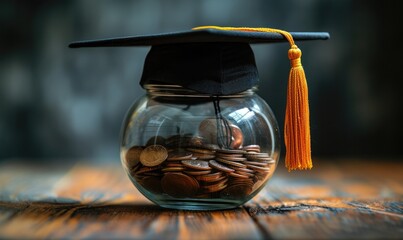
296 126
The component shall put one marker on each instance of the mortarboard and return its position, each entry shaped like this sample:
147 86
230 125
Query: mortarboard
219 61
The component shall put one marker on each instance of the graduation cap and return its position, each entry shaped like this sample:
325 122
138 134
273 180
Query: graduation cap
219 61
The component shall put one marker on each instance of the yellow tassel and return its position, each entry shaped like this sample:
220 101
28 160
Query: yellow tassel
296 126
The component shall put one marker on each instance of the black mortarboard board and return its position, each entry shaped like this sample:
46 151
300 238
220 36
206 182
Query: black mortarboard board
209 61
219 61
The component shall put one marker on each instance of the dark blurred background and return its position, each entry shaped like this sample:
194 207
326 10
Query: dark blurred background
62 104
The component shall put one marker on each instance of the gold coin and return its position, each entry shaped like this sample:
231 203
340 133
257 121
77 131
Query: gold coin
153 155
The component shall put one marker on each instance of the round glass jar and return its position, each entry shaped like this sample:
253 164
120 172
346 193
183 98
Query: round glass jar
187 150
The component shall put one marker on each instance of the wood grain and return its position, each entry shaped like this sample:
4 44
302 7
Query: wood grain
346 199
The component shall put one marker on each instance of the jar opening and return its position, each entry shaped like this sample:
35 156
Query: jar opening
168 90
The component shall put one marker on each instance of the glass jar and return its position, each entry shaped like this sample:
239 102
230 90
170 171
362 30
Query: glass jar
186 150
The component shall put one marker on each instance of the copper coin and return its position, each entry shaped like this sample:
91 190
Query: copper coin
245 173
230 151
179 155
259 169
232 163
209 131
147 169
236 191
179 185
153 155
174 164
210 146
243 170
227 155
152 184
256 163
196 141
197 173
203 156
133 156
212 180
196 164
173 169
218 186
237 175
265 159
210 177
220 167
237 137
253 148
238 181
230 158
256 156
201 150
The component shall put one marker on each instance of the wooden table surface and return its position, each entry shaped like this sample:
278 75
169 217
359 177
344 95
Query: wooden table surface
346 199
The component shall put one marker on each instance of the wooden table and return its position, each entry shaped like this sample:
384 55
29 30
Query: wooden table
346 199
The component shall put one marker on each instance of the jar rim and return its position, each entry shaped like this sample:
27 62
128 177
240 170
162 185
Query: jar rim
171 90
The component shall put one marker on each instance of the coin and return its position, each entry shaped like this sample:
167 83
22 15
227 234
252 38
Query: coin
179 185
220 167
252 148
237 137
211 177
197 173
231 151
201 150
259 169
153 155
231 158
208 130
152 184
203 156
235 164
173 169
215 187
256 163
133 156
147 169
237 175
236 191
179 155
196 164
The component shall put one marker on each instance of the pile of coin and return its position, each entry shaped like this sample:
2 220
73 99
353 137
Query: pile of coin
186 166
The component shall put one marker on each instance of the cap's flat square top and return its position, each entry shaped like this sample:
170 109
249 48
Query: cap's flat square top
199 36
